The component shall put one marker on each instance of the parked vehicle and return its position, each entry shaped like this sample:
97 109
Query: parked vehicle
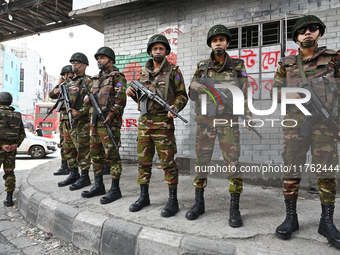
37 146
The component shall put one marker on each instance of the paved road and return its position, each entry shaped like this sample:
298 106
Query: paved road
19 237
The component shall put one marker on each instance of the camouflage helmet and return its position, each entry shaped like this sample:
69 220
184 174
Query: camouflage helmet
158 39
107 52
218 30
6 98
66 69
79 57
307 20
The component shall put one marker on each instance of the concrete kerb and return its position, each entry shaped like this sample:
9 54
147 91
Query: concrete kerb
104 235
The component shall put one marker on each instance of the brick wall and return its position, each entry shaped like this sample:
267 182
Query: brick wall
128 33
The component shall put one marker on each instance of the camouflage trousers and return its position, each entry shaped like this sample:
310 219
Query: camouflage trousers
229 139
8 161
77 144
61 134
324 155
103 150
165 143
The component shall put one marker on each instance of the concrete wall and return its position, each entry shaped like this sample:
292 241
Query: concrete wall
128 32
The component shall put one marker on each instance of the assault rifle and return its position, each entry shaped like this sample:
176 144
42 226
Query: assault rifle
62 100
318 111
98 113
228 102
144 94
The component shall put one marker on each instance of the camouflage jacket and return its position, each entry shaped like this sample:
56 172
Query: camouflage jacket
220 73
11 127
110 93
157 116
76 93
322 72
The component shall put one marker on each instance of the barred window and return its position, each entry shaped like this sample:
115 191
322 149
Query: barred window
271 33
250 36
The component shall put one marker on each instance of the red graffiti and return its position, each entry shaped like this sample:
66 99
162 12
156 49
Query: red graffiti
268 84
253 84
172 58
129 124
292 52
270 60
247 57
171 31
234 56
132 71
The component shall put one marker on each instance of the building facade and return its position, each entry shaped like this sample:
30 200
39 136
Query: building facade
31 79
10 70
261 36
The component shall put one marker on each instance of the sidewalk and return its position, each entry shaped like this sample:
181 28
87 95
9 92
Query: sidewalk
112 229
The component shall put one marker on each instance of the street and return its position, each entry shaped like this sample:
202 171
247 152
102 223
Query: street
17 236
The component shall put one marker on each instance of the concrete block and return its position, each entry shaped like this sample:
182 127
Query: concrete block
119 237
45 219
87 230
24 196
63 222
154 241
33 207
190 245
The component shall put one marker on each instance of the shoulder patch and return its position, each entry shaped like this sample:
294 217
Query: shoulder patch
119 84
244 73
178 77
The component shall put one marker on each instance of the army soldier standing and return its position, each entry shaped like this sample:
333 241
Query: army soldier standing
156 128
223 70
109 88
12 133
319 68
66 75
77 141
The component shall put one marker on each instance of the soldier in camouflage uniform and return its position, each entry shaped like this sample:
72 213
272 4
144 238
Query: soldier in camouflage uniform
77 141
156 128
66 74
109 88
12 133
321 68
220 68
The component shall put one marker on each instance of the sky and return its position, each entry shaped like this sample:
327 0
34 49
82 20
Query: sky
57 47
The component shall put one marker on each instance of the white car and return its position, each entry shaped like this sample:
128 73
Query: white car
37 146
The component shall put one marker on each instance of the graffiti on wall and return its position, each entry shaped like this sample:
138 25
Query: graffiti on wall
261 66
171 33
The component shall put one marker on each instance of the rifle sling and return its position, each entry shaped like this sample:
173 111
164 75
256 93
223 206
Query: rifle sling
305 81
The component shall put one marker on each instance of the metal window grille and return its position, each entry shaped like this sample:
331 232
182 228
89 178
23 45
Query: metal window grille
271 33
234 38
250 36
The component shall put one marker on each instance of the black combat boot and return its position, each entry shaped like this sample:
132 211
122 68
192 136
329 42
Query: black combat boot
82 182
291 223
235 215
198 207
113 194
107 169
63 170
327 227
72 178
97 190
9 199
171 208
142 201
